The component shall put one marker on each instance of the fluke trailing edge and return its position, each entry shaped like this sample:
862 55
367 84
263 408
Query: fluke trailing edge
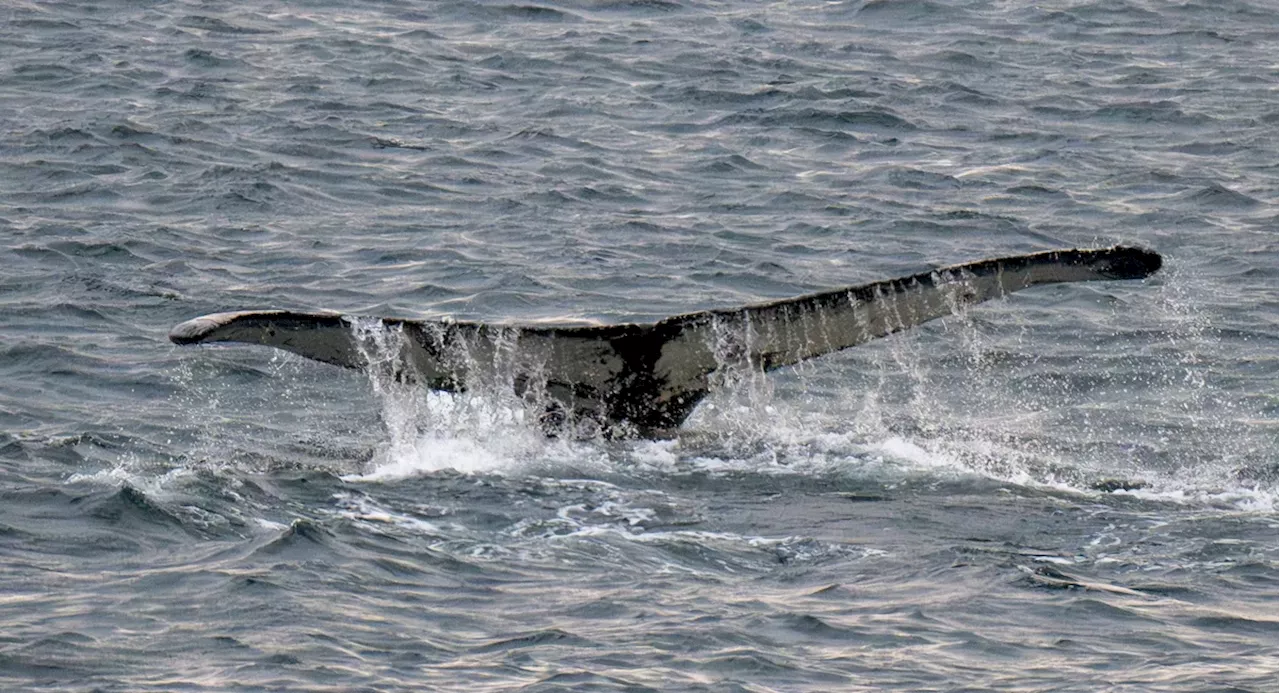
646 379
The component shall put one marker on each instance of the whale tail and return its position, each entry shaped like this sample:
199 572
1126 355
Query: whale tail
646 378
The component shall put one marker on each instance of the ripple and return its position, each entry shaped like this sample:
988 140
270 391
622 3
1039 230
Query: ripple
1218 196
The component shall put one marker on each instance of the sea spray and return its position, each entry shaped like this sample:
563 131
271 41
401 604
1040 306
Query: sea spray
483 426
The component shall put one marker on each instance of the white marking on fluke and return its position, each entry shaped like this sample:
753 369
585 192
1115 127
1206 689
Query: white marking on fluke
645 379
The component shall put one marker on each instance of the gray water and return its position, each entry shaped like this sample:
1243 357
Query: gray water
1073 489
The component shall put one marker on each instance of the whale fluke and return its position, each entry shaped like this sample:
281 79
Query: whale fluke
645 379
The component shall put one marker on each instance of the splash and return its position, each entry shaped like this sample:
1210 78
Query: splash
484 427
1124 414
741 400
960 399
952 400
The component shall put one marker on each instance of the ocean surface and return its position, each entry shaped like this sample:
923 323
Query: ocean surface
1072 489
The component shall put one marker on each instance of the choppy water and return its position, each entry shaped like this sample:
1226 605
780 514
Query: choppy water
1074 489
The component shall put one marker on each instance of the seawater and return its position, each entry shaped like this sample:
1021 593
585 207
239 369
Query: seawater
1072 489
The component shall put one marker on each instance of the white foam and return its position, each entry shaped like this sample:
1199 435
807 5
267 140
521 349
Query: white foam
907 451
270 525
434 453
657 454
482 430
470 438
1257 499
363 509
131 470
